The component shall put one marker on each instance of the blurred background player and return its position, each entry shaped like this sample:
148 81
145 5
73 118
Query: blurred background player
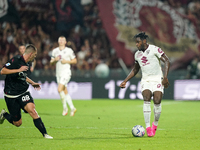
148 59
16 92
63 57
22 49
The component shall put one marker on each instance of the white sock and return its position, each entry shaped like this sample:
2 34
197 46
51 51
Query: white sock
62 96
69 101
157 111
147 113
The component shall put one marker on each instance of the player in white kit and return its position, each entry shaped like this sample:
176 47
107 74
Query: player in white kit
64 57
148 59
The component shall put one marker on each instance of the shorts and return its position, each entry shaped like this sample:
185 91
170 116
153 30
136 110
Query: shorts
63 80
15 105
152 86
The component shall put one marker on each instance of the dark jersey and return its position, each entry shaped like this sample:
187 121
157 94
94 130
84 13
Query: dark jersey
15 84
29 69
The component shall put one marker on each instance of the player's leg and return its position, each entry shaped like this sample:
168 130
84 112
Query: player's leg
147 110
70 103
61 92
14 117
157 96
29 106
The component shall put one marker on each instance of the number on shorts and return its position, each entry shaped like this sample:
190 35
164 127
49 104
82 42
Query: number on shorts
25 98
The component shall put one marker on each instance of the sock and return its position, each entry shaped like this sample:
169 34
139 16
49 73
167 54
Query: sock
157 111
39 124
147 113
69 101
62 96
8 117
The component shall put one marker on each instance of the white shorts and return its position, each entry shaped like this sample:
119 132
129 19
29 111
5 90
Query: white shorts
63 80
152 86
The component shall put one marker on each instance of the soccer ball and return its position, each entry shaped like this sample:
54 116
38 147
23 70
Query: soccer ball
102 70
138 131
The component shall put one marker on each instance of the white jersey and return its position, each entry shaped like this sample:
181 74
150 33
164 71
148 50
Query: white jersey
67 54
149 62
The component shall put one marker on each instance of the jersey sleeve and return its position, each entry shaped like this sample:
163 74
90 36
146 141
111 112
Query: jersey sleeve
53 54
135 57
12 63
158 52
72 55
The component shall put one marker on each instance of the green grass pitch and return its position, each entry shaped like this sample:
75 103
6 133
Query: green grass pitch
104 125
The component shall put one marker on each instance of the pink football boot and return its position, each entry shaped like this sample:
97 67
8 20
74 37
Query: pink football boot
149 132
154 128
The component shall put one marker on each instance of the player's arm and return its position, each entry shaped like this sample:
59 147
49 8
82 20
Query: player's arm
166 61
34 84
5 71
54 60
133 72
73 61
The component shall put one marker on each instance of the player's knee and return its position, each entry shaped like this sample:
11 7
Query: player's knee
146 98
157 100
59 90
17 123
33 114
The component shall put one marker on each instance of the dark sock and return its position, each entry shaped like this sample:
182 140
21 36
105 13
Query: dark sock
8 117
39 124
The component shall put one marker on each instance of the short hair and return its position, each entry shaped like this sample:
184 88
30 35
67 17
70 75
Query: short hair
22 45
30 48
62 37
141 35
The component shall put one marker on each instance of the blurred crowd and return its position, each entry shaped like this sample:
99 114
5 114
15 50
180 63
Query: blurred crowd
88 39
187 8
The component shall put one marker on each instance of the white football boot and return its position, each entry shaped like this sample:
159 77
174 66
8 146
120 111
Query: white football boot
65 112
46 136
73 111
2 118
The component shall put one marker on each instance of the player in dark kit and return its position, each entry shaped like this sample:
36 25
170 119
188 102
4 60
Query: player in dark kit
16 92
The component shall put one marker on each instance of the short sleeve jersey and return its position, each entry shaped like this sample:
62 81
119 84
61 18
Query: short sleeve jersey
15 84
67 54
149 62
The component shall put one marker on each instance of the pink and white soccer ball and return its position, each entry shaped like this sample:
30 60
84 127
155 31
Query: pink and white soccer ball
138 131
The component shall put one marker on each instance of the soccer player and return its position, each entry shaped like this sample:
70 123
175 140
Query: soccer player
15 91
63 57
148 59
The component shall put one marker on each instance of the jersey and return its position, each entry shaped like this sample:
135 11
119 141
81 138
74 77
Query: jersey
149 62
15 84
67 54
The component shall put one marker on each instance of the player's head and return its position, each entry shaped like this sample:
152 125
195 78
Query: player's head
30 52
141 40
22 49
62 41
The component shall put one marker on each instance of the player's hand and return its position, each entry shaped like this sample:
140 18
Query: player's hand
23 68
58 58
63 61
36 86
165 82
123 84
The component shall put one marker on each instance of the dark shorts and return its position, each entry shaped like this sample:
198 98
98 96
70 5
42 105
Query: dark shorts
15 105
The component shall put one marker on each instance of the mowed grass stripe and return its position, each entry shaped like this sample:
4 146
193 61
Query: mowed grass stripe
105 124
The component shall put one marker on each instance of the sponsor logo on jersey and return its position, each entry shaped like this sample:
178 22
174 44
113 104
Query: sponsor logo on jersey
144 60
147 52
8 64
159 85
139 54
160 50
